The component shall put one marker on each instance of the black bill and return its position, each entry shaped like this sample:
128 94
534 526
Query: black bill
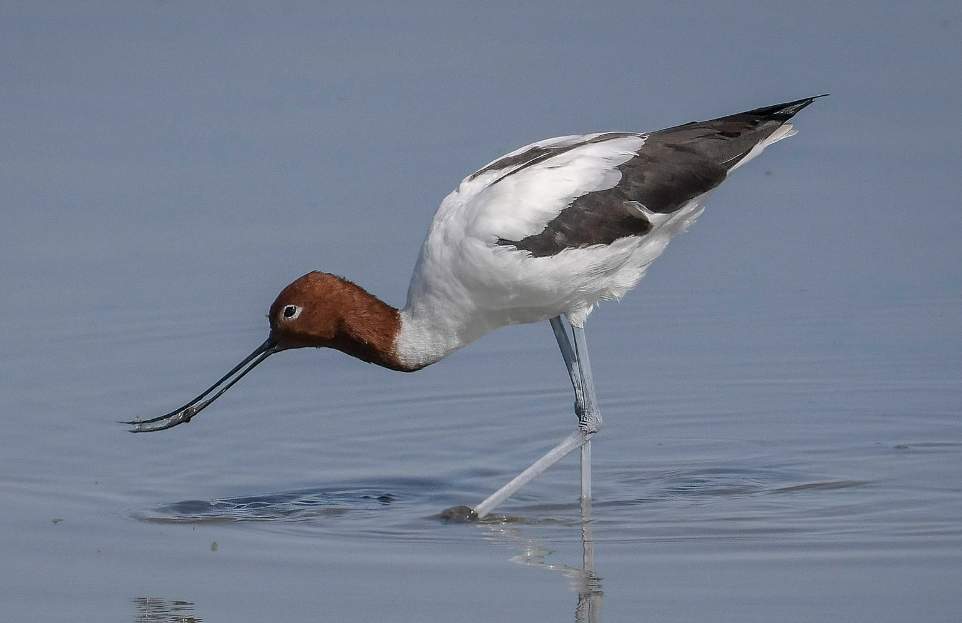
198 404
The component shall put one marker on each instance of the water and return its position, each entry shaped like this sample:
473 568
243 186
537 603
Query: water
782 394
806 480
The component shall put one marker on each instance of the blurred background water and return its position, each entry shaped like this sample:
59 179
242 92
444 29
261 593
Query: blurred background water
782 393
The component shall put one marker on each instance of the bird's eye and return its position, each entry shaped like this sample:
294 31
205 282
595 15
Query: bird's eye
291 312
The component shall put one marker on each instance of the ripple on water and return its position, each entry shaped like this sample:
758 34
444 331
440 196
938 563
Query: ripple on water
404 509
291 506
712 502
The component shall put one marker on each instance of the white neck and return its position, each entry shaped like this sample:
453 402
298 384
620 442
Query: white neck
426 335
435 324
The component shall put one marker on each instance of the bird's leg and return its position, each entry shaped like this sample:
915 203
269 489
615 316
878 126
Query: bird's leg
586 402
570 358
578 364
579 369
586 407
569 443
589 421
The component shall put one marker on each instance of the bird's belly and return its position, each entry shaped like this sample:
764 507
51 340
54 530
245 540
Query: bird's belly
517 288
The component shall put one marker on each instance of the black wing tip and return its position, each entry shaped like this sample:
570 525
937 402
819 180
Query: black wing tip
785 110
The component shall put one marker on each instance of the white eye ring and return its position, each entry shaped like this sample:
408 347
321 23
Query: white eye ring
291 312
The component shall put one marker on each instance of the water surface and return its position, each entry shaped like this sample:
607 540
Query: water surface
782 394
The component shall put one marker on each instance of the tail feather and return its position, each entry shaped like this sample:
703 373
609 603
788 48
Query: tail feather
780 112
732 140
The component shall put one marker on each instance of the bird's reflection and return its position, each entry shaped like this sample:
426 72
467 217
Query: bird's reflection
584 580
157 610
589 593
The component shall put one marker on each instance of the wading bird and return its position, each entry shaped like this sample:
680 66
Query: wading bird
545 232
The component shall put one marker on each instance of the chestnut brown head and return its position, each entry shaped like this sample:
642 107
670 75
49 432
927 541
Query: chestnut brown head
308 312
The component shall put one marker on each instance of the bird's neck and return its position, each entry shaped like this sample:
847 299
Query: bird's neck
404 340
367 327
432 328
425 331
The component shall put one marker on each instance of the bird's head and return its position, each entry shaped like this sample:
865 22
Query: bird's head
308 312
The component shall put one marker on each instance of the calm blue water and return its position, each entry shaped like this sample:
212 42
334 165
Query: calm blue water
782 394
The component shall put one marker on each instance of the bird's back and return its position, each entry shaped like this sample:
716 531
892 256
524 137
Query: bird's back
559 225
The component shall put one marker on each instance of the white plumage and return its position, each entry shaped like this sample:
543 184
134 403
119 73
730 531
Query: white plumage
464 284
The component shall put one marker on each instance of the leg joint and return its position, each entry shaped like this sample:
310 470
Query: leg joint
590 423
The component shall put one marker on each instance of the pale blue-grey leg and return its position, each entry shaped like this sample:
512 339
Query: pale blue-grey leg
589 415
589 420
570 358
586 402
554 455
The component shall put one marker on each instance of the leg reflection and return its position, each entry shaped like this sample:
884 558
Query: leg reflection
582 579
158 610
589 591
